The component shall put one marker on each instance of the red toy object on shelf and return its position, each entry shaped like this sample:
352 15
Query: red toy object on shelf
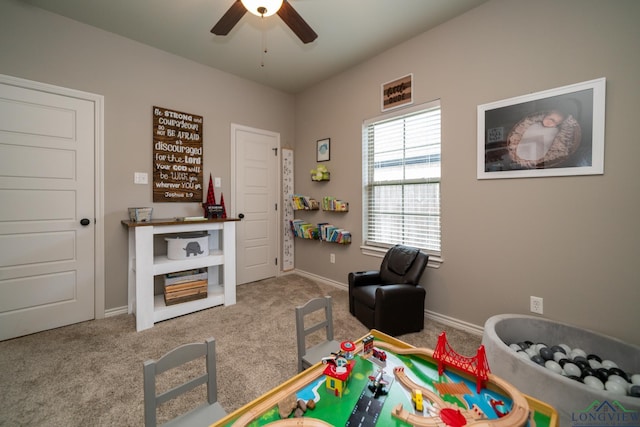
211 198
476 366
224 210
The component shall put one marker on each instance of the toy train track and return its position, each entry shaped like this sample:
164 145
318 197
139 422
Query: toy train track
518 416
292 386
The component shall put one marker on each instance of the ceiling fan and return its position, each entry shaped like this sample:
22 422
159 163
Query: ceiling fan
265 8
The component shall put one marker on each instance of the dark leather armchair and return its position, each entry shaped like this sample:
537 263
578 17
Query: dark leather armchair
390 300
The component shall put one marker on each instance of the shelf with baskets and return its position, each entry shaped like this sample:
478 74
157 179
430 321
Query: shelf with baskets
219 263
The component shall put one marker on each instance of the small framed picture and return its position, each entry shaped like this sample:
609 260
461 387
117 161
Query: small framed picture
323 150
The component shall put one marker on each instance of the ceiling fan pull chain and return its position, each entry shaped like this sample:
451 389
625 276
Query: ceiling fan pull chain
264 42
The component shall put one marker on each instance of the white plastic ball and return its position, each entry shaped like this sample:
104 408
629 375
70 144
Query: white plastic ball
553 366
522 355
635 379
515 347
531 352
577 352
566 348
618 379
572 369
558 356
616 388
609 364
593 382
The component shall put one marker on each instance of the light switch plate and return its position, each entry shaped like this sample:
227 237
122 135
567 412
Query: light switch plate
140 178
217 182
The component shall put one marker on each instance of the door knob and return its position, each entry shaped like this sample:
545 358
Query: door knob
241 215
85 221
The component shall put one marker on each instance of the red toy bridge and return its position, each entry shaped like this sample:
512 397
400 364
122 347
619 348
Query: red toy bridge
476 366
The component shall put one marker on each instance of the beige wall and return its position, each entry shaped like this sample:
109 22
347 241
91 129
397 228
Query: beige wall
572 240
132 77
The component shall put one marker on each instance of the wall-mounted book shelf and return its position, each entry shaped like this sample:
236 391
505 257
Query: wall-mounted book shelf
304 229
331 233
323 232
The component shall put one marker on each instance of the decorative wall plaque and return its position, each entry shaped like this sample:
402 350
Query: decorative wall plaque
177 156
397 93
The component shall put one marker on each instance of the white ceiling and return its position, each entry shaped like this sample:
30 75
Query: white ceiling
349 32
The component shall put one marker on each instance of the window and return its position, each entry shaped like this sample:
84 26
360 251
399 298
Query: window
401 179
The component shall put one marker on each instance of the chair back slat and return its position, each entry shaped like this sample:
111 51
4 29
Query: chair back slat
173 359
302 330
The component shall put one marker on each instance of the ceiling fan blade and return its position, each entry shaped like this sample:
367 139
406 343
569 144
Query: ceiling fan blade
296 23
229 19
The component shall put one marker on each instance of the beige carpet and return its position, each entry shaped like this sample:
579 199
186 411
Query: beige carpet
90 374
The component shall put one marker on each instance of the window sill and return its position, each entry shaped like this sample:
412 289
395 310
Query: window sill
434 260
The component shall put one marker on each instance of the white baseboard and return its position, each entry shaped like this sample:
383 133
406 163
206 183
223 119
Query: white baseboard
453 322
343 286
441 318
116 311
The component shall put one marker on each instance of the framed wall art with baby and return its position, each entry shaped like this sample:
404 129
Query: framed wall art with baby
556 132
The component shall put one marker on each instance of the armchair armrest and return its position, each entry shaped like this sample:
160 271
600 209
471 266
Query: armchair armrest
361 278
399 308
396 295
364 278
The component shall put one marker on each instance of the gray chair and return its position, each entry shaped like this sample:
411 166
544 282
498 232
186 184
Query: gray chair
319 316
203 415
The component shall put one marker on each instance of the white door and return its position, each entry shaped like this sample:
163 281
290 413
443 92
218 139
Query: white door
255 186
46 190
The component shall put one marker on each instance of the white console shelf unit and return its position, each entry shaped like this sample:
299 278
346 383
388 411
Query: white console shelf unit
144 266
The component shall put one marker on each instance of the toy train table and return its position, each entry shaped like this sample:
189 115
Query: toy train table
386 382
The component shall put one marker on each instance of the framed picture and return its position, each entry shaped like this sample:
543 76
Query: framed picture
556 132
323 150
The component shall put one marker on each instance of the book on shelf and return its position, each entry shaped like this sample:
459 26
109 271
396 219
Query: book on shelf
331 233
333 204
301 202
303 229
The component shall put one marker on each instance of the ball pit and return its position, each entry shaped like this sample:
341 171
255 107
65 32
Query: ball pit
531 377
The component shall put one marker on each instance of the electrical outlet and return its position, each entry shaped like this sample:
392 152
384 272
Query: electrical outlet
332 258
536 305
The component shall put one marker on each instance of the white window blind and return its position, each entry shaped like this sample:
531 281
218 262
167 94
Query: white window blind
401 179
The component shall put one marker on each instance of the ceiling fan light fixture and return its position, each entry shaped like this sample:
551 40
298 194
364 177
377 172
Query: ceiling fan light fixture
262 7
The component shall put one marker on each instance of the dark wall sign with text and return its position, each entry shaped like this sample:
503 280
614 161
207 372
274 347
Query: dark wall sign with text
177 156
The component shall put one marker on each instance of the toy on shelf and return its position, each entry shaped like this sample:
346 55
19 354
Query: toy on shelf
320 174
211 209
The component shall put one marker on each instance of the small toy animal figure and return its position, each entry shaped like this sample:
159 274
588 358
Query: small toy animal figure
193 248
